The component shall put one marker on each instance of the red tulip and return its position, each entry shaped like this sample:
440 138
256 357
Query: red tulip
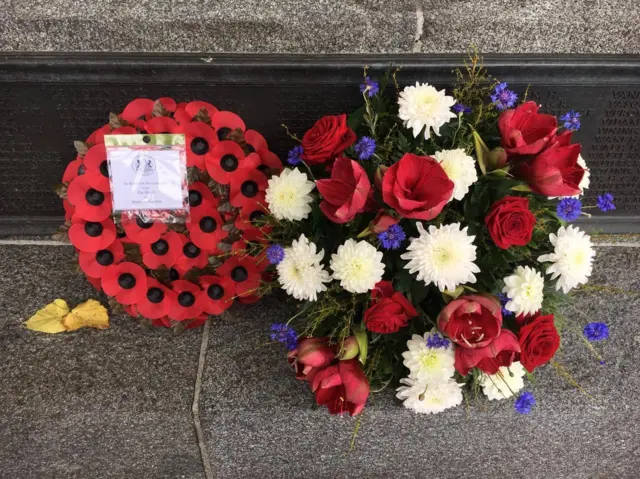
500 352
342 387
345 194
554 172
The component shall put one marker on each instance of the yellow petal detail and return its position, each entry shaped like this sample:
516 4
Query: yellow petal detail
49 319
90 314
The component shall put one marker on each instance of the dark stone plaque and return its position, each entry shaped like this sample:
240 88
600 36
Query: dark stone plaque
50 100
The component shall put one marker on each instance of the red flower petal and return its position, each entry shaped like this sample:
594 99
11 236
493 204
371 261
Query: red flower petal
105 234
219 292
162 124
138 109
255 140
200 139
224 122
205 229
190 301
163 252
97 169
113 280
163 300
168 103
98 135
91 264
72 170
193 108
79 193
143 232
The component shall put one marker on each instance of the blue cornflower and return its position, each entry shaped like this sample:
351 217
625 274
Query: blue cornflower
461 108
525 402
365 147
569 209
275 254
571 120
370 86
596 331
295 155
393 237
504 299
283 333
605 202
437 341
503 97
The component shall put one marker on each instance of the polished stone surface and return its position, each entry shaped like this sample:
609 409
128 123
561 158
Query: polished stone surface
112 403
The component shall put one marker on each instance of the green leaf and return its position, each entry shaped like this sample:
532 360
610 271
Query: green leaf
522 187
482 151
363 343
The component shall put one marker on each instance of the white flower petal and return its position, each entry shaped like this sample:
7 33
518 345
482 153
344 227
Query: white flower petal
422 106
288 195
300 272
358 266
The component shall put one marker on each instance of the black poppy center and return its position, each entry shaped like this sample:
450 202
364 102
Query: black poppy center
94 197
239 274
155 295
186 299
126 281
215 291
256 215
199 146
223 133
208 224
93 229
190 250
173 274
249 189
104 168
143 224
104 257
229 163
81 170
250 148
160 247
195 198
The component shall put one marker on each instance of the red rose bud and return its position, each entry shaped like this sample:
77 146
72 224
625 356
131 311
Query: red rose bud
524 131
389 310
500 352
328 138
345 194
497 158
417 187
472 321
349 348
382 222
539 341
377 178
316 352
510 223
554 172
342 387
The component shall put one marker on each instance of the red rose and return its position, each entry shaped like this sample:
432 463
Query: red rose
471 321
417 187
389 310
555 171
524 131
510 223
328 138
342 387
500 352
539 341
345 194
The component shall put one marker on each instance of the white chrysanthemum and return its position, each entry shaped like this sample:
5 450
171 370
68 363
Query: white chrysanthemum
422 106
524 288
300 272
288 195
460 168
358 265
428 398
572 258
431 364
444 256
584 182
505 383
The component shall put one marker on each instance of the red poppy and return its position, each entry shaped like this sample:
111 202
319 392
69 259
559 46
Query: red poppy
227 161
205 229
224 122
255 141
245 192
92 236
95 264
97 168
74 168
168 103
138 109
201 199
199 140
197 322
163 322
162 124
252 299
126 281
193 108
90 204
143 232
98 135
69 209
251 217
157 300
128 130
269 161
163 252
191 257
219 291
244 272
95 282
190 301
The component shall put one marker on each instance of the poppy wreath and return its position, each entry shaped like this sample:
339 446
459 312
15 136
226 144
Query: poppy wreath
174 275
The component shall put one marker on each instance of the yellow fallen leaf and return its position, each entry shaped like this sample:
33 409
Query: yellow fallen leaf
49 319
90 314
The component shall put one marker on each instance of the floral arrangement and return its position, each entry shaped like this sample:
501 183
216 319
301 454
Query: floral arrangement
174 274
427 236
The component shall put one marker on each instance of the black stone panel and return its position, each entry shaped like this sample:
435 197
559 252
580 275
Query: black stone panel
49 100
